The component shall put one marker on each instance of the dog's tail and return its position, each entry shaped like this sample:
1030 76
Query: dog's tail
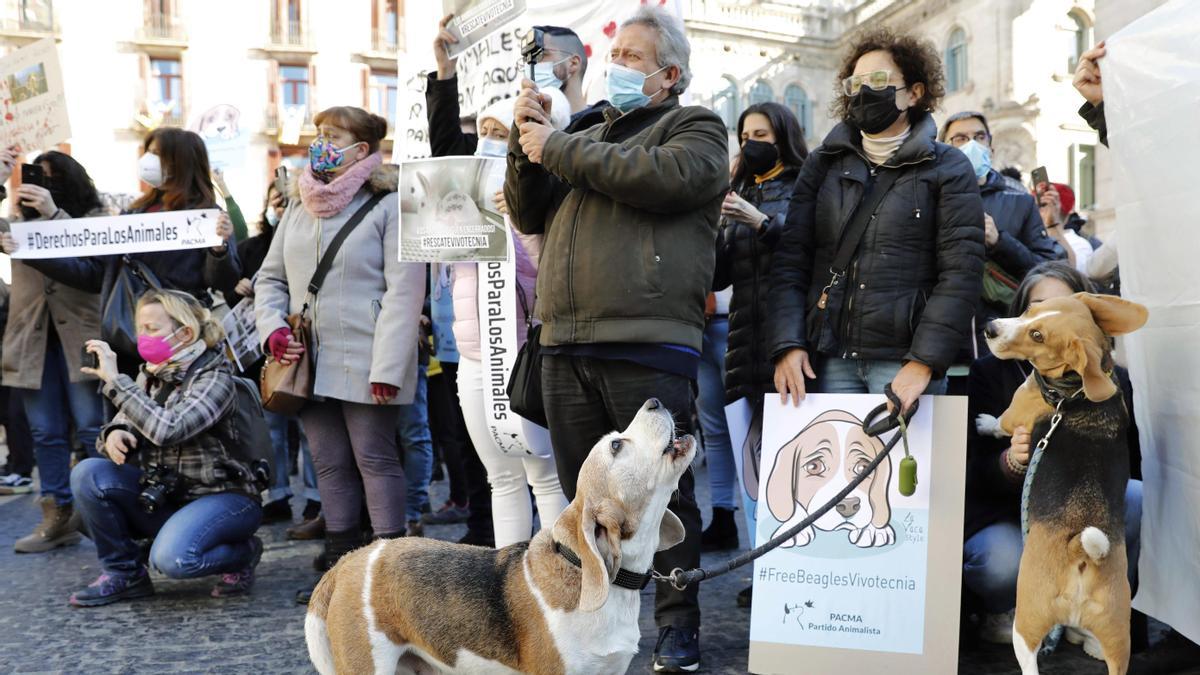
315 633
1091 541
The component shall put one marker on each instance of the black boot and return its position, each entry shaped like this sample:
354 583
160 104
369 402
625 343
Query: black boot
722 532
337 545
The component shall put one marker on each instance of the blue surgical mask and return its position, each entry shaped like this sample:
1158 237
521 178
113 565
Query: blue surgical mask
980 156
544 77
491 147
625 87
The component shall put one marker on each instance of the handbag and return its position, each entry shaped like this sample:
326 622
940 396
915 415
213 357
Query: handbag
285 388
117 326
525 382
999 287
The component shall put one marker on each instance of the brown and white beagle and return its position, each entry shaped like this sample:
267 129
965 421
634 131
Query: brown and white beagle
1073 568
815 466
566 602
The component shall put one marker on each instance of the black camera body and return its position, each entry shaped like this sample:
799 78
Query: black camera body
160 487
534 47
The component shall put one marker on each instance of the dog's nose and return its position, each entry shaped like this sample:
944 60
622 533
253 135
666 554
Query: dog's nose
991 330
849 506
653 404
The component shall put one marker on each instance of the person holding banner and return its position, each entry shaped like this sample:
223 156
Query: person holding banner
363 324
629 209
43 343
174 166
880 267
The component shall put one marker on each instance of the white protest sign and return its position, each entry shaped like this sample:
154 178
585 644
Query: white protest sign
447 213
34 114
241 335
474 20
879 573
136 233
225 139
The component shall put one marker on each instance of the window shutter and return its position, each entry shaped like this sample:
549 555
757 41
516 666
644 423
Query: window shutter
366 87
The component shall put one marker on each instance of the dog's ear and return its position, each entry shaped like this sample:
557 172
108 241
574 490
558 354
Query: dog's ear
599 550
670 531
1115 316
1085 357
781 488
881 510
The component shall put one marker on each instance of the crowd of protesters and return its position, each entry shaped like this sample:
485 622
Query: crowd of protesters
655 265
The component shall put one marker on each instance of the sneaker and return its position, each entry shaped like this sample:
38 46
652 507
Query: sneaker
677 650
15 484
278 511
997 628
449 514
415 529
238 583
110 588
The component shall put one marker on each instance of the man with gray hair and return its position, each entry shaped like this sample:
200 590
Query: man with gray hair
629 209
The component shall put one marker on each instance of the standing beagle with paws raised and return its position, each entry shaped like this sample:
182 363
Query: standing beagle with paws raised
564 603
1073 568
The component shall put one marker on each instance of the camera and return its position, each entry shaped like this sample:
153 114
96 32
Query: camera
534 47
160 487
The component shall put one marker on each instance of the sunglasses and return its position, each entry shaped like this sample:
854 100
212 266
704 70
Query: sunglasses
876 79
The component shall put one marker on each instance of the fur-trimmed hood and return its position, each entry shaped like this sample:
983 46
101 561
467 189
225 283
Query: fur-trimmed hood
386 178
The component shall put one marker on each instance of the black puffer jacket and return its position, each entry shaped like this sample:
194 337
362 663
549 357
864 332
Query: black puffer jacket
743 260
911 289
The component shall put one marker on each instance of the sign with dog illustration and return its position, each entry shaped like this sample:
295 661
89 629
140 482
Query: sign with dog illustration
224 138
879 572
448 212
35 105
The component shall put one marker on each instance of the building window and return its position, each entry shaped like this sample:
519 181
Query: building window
294 82
725 103
37 15
796 100
1081 162
384 88
1079 40
287 22
166 92
761 92
956 61
385 24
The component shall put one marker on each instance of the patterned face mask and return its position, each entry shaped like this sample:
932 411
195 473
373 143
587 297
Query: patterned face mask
325 157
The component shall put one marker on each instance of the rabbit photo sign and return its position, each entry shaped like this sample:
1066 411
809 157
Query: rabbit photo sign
879 572
448 210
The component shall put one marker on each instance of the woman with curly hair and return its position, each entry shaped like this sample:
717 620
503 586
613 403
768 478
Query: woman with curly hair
896 304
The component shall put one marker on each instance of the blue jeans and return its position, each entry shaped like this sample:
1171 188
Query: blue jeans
722 473
51 411
992 556
282 487
836 375
210 535
416 444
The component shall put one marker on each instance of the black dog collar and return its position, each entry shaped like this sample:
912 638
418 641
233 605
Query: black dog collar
625 579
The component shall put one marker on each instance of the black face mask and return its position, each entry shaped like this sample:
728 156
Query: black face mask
873 111
759 156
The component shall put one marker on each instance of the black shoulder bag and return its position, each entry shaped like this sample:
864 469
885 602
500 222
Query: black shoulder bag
853 234
525 381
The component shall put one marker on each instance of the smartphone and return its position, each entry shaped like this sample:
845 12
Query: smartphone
90 360
281 182
1039 176
33 174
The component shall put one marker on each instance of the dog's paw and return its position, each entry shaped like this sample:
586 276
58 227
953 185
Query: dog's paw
804 538
986 425
871 536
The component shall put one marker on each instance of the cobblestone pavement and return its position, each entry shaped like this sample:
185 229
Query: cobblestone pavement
182 629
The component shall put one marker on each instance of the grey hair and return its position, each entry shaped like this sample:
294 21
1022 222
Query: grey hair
672 46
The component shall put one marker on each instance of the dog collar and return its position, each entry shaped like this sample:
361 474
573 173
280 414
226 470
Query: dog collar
625 579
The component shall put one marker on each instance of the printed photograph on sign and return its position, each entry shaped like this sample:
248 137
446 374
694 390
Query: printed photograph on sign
854 578
448 211
34 115
28 83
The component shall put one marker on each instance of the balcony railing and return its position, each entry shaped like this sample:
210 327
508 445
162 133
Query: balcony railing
162 28
385 41
25 26
290 34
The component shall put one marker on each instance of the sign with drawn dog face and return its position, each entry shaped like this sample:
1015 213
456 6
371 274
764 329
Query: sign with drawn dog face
859 576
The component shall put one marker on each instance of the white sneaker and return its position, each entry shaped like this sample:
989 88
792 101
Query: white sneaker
15 484
998 628
1091 645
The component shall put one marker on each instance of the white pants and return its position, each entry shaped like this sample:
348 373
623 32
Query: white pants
512 513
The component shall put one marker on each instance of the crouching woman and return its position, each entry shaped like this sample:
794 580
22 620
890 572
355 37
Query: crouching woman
164 474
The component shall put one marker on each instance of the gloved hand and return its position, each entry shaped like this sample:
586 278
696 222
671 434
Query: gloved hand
278 342
382 393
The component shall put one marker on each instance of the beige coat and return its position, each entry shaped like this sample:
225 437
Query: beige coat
36 304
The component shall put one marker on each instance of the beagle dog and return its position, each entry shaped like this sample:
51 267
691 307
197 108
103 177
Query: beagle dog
817 464
564 603
1073 568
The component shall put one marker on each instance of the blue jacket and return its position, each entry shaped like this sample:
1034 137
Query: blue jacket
1023 239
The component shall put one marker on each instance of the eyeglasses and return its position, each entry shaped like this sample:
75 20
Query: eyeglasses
876 79
958 140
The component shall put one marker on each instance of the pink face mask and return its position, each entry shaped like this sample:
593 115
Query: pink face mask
155 349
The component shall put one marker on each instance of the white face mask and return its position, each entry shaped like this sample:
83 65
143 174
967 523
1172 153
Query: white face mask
272 216
491 147
150 170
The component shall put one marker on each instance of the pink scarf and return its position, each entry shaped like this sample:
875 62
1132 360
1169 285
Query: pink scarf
325 200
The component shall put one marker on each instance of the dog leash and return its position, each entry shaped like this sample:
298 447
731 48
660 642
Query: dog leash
680 579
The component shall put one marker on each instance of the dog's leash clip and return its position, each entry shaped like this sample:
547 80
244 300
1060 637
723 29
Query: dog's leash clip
675 578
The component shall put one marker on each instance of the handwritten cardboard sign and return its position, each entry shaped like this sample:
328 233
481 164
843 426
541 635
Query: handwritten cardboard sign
34 104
